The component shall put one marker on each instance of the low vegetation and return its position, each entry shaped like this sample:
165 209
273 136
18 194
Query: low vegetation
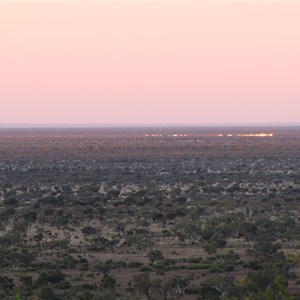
76 225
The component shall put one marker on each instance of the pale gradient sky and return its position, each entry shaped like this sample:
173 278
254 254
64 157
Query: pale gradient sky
149 62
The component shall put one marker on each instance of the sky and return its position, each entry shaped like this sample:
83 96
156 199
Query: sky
149 62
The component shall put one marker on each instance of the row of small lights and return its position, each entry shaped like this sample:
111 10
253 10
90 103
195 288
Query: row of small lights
172 135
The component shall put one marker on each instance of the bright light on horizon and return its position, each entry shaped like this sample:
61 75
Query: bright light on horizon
176 135
257 135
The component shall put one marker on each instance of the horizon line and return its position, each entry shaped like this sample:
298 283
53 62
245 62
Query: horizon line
139 125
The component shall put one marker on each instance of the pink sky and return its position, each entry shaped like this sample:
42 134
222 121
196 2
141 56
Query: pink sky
149 61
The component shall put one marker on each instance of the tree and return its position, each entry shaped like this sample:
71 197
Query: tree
47 293
53 277
216 288
276 291
143 284
6 285
108 282
179 284
15 258
155 255
89 230
267 281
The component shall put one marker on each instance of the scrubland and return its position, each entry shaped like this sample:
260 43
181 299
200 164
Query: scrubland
114 214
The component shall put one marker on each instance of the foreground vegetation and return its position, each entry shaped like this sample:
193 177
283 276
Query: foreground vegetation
150 228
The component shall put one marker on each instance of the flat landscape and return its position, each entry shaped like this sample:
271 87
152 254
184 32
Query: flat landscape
150 213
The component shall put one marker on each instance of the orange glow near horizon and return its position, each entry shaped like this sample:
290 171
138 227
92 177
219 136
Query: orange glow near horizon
257 135
175 135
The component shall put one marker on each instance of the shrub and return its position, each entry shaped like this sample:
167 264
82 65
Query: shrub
89 230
